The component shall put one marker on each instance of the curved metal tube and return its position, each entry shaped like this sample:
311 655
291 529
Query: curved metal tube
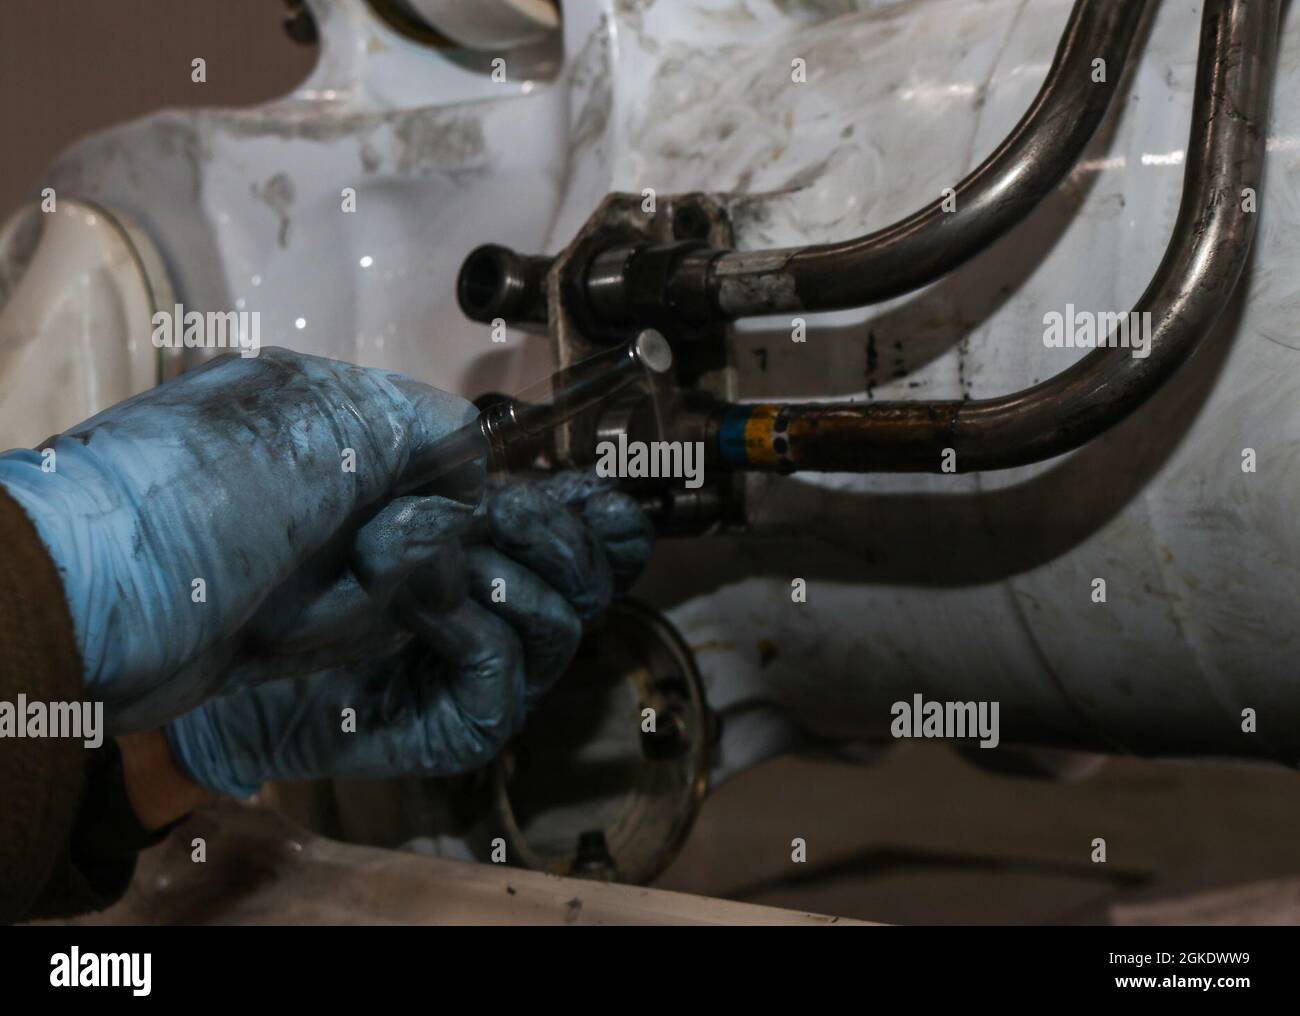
1200 270
1009 184
694 284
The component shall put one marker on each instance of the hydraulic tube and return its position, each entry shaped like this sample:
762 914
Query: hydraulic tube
1200 270
1006 187
633 286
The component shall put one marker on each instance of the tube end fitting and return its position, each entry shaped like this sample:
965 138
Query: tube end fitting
653 351
496 283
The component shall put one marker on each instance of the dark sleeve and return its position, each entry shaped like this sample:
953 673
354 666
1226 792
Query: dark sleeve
54 792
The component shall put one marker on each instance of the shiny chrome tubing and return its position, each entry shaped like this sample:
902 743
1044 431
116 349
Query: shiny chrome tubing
1200 270
1005 188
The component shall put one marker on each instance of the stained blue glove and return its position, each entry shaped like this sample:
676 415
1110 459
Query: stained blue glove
172 517
448 700
233 527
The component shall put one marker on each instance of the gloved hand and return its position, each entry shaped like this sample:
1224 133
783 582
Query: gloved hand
448 701
221 530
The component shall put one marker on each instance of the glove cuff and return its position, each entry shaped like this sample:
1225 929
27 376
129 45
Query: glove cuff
59 501
198 747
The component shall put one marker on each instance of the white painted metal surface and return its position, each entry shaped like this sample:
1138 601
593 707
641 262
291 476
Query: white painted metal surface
78 292
959 587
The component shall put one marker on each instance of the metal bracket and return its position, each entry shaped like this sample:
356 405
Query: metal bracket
702 353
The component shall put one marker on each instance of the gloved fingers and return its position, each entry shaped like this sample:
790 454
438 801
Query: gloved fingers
301 728
614 516
480 686
625 531
548 628
542 534
283 451
411 533
302 618
573 486
434 415
480 663
416 713
472 701
375 637
325 603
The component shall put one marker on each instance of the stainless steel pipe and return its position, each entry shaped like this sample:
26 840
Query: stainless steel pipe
1198 275
1007 186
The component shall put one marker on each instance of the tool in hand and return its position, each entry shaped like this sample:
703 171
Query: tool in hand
542 407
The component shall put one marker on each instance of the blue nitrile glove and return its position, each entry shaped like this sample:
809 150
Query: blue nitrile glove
447 701
175 518
269 479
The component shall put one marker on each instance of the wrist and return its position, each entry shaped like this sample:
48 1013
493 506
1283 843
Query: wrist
117 817
159 791
199 750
